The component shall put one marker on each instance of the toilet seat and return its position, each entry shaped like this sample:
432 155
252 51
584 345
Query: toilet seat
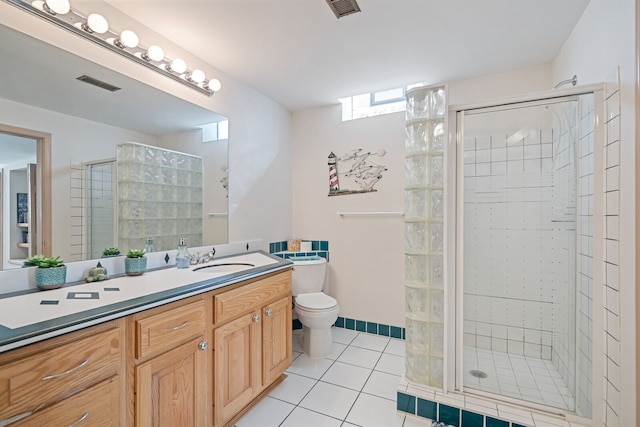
316 301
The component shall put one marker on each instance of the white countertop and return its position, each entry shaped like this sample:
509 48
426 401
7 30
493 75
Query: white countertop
55 309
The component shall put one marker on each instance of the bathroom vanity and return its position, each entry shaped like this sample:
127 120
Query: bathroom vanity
198 353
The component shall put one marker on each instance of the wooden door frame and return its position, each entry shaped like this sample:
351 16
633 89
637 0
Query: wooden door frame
43 177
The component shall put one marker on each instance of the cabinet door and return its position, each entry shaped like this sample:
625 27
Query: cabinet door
171 388
276 339
237 364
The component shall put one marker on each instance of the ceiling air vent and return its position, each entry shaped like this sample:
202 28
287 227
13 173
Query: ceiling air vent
99 83
342 8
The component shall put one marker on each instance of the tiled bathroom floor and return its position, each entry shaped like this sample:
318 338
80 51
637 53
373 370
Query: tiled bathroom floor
520 377
355 386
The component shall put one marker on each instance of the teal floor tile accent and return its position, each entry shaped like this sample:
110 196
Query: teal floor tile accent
449 415
383 330
372 328
471 419
396 332
324 245
494 422
517 425
340 322
349 324
296 324
427 409
361 326
406 403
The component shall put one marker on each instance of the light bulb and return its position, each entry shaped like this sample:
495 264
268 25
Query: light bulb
154 53
96 23
57 6
128 39
178 66
197 76
214 85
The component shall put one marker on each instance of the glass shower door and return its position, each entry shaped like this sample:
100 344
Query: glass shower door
520 227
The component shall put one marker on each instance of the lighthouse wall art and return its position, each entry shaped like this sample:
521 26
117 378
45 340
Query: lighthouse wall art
355 172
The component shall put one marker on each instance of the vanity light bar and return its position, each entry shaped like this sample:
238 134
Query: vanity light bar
95 28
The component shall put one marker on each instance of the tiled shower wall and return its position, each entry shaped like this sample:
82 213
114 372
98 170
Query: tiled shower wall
585 246
508 300
611 289
100 208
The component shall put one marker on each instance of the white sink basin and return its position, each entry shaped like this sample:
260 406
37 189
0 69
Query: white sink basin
224 267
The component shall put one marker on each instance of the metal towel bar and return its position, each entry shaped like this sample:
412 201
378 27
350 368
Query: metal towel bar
390 213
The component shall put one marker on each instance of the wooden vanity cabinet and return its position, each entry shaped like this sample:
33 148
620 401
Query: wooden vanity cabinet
169 367
252 337
73 378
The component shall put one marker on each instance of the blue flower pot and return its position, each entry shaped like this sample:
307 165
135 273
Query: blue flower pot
135 266
51 278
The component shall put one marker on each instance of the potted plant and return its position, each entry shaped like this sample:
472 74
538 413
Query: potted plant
51 272
135 263
109 252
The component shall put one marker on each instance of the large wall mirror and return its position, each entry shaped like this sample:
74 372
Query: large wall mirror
40 92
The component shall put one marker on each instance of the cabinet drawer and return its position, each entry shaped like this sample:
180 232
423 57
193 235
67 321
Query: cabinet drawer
97 406
163 331
229 305
53 374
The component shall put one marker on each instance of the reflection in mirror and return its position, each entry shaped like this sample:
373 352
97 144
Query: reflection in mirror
18 156
40 91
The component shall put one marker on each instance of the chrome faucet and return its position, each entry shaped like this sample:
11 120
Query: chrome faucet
202 259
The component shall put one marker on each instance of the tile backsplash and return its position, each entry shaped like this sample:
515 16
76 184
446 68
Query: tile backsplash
318 247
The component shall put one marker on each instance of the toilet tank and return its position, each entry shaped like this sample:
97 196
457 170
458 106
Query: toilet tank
308 274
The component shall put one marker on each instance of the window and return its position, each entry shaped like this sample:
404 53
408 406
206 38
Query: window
215 131
374 103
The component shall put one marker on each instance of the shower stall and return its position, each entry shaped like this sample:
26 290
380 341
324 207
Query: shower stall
524 251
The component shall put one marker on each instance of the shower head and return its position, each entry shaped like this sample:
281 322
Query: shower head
573 80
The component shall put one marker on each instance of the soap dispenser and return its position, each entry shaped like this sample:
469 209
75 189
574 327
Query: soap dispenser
183 259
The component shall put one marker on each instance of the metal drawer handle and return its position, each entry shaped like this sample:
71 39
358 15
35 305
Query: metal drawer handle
268 312
61 374
186 322
84 417
256 318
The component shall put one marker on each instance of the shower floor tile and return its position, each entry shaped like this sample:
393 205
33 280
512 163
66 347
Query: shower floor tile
516 376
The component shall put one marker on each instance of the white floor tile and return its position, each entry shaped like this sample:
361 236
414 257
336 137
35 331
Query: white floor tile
416 422
330 399
293 389
396 347
312 368
267 413
360 357
373 411
371 342
343 336
337 350
344 375
383 385
390 364
304 417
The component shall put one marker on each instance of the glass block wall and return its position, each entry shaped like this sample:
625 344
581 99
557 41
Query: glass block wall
160 197
424 234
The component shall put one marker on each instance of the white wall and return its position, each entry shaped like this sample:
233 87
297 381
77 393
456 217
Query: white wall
602 41
366 267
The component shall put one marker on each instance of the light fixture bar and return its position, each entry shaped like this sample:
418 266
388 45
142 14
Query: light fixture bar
137 54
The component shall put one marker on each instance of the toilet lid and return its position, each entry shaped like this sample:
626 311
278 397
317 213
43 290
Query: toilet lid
315 301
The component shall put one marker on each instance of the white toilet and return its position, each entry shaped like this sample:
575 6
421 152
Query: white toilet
316 311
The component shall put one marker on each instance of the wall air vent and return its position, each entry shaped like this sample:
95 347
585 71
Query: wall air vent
99 83
342 8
